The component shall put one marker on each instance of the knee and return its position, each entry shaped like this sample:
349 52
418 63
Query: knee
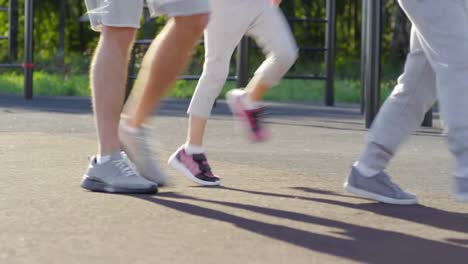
194 24
217 76
287 57
120 36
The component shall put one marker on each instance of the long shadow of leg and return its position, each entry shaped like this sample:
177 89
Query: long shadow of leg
417 213
365 244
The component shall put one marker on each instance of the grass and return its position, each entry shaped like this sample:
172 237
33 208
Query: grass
46 84
346 91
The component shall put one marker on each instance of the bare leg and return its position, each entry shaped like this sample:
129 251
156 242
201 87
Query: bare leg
108 78
164 61
196 130
257 88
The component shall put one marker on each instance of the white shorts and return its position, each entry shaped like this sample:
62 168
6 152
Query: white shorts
127 13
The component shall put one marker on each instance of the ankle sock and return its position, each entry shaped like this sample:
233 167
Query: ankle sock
365 170
103 159
193 149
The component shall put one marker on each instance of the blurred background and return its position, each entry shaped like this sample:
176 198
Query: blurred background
64 44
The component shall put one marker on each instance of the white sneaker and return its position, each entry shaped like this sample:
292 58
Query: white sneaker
138 148
118 175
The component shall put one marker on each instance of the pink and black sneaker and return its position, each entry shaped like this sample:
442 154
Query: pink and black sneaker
251 119
195 167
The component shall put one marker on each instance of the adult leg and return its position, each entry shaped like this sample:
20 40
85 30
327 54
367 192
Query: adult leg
108 78
112 171
441 28
164 61
401 114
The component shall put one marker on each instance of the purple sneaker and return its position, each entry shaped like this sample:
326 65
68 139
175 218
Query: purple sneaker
195 167
251 120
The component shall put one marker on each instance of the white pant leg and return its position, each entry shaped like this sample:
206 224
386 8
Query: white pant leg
229 21
442 28
403 111
273 34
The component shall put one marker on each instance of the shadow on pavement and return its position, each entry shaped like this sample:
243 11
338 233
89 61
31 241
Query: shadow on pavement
416 213
359 243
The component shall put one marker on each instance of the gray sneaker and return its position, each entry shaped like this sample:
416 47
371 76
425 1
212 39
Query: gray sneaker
137 146
461 189
379 187
118 175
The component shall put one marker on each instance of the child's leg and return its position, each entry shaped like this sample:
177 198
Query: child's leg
271 32
228 23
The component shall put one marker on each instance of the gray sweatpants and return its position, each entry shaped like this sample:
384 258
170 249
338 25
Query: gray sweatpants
230 20
436 68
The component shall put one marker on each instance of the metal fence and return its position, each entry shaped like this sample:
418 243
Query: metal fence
28 64
242 65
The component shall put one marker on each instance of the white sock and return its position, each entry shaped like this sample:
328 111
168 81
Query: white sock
365 170
249 104
129 129
103 159
193 149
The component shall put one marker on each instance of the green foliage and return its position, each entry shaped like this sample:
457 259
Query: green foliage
347 91
46 84
80 42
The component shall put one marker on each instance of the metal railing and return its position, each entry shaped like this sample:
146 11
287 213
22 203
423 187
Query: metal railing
28 63
242 67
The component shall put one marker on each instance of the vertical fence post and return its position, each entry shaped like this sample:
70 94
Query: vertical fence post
372 69
363 53
28 49
243 62
13 31
330 44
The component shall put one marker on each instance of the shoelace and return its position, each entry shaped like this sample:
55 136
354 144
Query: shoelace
126 166
393 185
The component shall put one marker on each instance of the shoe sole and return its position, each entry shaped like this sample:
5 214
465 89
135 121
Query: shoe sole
174 163
98 186
377 197
240 119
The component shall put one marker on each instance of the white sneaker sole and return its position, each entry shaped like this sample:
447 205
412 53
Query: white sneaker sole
377 197
98 186
174 163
